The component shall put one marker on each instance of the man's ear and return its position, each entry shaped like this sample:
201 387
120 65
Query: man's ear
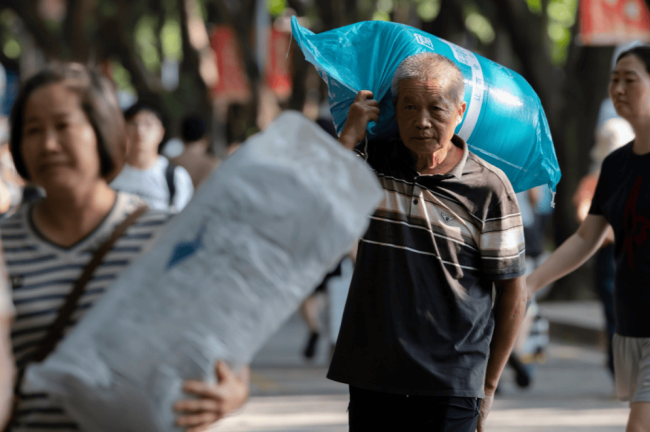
461 111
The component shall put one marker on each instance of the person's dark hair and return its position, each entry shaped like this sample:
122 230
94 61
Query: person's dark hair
641 51
97 99
193 128
138 107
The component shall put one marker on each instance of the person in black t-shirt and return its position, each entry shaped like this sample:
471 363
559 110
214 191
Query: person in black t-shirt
622 200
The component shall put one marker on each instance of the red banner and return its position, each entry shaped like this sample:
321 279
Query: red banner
278 77
613 22
232 84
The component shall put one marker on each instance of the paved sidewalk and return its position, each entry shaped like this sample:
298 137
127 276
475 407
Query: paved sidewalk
571 392
581 322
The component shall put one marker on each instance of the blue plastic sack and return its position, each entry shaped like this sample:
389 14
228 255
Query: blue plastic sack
504 122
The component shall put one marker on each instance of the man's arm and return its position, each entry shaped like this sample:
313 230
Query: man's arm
509 311
362 111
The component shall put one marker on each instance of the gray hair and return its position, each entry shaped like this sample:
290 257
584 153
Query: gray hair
430 66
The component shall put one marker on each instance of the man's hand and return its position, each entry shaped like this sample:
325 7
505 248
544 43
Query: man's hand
486 406
363 110
215 400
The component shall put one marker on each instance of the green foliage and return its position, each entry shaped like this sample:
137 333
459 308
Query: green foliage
383 10
366 7
172 40
122 78
146 42
479 25
10 43
8 18
276 7
380 16
560 12
535 6
11 48
561 19
107 8
203 9
385 6
428 10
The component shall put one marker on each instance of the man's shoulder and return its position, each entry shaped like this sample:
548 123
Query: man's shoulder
486 175
375 146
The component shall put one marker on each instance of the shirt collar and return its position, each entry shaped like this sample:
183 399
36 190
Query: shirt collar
457 171
401 152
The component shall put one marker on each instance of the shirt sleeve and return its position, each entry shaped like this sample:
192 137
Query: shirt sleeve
184 188
502 239
596 208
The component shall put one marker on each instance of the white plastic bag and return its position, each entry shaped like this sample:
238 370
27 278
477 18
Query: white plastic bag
254 241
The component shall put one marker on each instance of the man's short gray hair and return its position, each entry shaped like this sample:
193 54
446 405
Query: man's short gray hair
430 66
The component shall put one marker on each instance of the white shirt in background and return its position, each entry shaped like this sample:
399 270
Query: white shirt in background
151 185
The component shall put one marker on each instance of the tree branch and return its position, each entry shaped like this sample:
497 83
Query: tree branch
27 10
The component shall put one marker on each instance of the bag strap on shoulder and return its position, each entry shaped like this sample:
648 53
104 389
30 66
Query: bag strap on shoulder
55 332
169 177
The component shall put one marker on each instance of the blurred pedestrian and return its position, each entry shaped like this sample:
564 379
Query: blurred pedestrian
161 184
420 344
611 135
195 157
311 310
312 307
622 201
65 250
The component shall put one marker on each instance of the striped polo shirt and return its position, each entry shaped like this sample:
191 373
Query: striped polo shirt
42 274
418 318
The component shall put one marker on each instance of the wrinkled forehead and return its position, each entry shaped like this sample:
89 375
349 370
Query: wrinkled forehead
415 88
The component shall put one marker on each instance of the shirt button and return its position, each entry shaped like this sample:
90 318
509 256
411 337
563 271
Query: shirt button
415 201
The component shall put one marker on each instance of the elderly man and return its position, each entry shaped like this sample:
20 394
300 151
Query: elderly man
421 345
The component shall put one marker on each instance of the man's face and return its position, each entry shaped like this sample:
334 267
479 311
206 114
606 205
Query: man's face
145 131
426 115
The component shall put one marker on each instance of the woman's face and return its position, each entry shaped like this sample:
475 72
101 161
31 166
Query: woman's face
629 89
59 145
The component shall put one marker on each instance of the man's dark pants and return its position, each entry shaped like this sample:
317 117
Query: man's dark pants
375 411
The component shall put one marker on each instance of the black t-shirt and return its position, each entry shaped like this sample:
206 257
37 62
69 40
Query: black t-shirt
623 198
405 328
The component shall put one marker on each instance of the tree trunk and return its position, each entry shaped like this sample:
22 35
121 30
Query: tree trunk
48 42
74 29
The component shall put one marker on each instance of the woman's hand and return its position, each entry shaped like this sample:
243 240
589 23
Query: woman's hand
215 400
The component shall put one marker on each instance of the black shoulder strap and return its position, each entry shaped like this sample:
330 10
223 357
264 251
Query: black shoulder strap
169 176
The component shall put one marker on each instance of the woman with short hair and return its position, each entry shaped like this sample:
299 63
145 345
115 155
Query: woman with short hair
622 200
68 136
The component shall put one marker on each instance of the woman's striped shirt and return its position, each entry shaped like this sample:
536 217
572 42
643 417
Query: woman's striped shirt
42 274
